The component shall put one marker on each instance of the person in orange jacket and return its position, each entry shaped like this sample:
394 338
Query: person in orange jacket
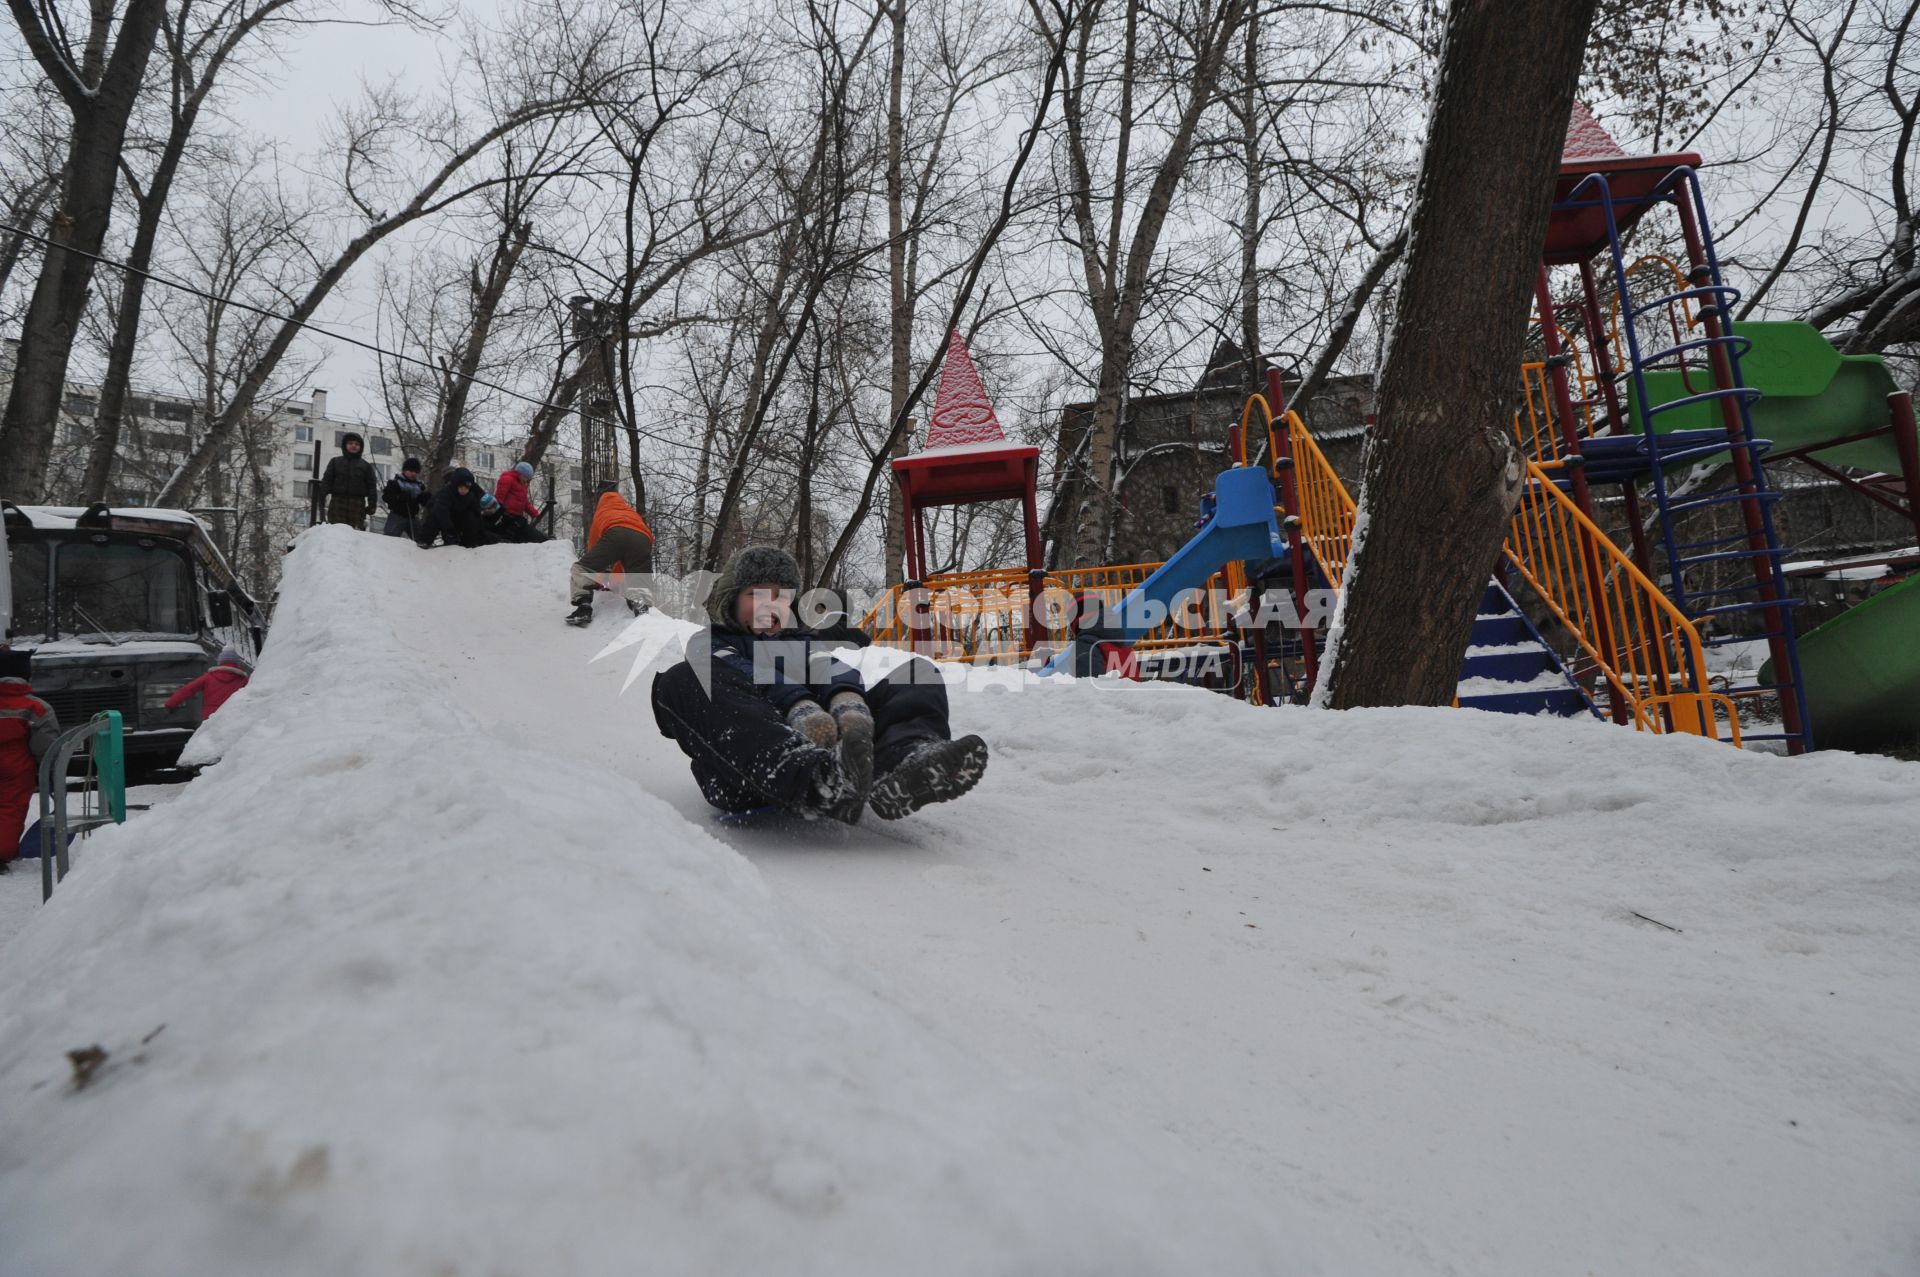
619 547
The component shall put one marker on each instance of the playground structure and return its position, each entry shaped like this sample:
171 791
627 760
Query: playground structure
1646 387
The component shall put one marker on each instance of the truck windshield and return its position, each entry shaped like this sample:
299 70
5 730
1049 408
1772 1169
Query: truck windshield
123 589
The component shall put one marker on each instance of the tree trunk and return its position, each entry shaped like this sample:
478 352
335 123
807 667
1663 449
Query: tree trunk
100 104
457 385
1441 475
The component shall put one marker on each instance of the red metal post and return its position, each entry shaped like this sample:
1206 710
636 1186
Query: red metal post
1900 410
1577 480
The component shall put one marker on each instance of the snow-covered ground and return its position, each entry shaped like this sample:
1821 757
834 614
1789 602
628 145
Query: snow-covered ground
457 974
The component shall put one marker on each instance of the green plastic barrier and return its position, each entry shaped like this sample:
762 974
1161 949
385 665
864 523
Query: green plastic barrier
110 765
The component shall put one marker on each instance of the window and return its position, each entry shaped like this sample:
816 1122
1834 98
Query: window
297 489
382 472
29 590
573 473
303 461
296 412
1170 498
177 443
486 461
382 446
173 411
303 434
340 438
123 589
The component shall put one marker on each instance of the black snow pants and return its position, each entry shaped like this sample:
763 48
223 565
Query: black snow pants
745 756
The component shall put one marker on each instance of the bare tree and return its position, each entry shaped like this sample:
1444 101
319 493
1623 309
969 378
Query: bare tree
1441 473
1181 67
99 79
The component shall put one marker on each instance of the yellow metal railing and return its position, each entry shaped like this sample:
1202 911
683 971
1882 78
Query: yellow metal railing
1326 510
1645 651
1637 642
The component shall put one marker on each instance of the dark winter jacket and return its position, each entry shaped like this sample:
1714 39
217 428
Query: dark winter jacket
786 668
456 517
406 496
350 476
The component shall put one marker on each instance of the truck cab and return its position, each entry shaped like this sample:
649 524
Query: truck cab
122 608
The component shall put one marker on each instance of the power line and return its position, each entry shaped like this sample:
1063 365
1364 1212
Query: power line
302 324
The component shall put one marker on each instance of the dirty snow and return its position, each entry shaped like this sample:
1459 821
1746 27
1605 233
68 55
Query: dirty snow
457 973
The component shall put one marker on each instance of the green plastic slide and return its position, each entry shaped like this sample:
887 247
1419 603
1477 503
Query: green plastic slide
1810 393
1862 672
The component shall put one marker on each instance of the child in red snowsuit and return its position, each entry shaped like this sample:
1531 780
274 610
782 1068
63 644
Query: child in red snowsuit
28 729
215 686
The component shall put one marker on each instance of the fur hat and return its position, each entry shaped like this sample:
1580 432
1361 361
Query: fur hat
755 565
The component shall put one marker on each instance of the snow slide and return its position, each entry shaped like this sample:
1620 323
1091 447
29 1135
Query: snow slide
457 974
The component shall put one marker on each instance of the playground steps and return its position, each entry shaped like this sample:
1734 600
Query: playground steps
1509 669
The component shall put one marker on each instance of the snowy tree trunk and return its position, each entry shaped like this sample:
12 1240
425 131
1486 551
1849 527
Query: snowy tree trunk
1441 475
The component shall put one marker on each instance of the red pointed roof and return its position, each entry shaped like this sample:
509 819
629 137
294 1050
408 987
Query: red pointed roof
962 414
1587 139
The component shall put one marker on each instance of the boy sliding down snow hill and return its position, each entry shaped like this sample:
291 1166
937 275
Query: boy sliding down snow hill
770 718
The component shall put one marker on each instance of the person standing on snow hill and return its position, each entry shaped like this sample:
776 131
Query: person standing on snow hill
619 545
28 729
406 498
768 717
214 687
455 513
350 484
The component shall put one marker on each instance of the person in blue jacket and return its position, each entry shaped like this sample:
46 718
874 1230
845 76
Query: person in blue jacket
769 718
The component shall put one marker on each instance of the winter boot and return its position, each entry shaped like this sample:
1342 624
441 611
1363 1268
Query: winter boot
639 600
582 613
834 795
936 772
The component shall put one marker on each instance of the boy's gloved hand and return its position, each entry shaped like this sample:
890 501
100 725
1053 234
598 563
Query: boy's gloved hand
814 723
854 722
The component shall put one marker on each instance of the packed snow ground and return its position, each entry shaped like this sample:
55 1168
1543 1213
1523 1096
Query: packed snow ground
458 974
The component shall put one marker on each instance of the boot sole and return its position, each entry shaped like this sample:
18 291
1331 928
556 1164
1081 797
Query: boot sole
912 785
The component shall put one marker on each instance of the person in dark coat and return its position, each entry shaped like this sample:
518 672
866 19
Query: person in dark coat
454 515
769 718
506 526
406 499
350 484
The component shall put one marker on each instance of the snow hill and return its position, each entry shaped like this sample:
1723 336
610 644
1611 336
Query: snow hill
458 976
